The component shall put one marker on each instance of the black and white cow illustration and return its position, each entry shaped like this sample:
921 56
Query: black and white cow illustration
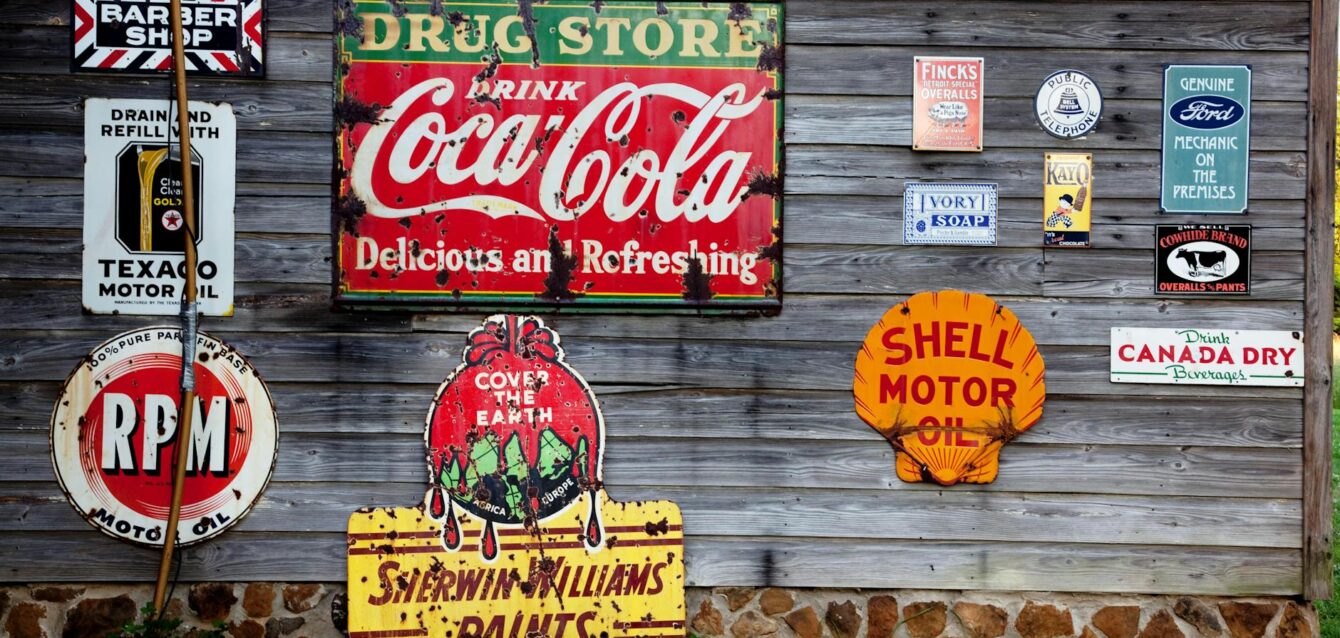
1198 261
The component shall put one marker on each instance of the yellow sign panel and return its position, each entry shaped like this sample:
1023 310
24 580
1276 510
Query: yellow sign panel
949 378
516 537
1067 199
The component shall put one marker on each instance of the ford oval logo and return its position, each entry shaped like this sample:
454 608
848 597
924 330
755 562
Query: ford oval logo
1206 112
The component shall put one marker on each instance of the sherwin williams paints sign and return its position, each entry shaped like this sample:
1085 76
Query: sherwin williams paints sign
947 104
949 378
114 435
135 229
1207 356
615 154
516 535
1207 116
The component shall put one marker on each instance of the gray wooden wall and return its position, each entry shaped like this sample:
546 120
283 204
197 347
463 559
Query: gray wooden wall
746 423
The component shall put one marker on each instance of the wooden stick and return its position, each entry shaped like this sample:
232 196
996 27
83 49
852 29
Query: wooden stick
184 411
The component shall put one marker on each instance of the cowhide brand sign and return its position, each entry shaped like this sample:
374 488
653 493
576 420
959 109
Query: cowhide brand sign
1203 260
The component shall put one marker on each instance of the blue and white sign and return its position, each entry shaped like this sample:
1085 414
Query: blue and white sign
954 214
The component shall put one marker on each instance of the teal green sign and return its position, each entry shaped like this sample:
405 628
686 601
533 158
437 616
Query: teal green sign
1207 118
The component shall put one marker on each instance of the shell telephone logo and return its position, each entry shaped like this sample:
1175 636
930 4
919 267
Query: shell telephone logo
948 378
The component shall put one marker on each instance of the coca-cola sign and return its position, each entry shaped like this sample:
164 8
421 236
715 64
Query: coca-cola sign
625 153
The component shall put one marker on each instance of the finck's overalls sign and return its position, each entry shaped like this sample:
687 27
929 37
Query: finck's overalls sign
561 154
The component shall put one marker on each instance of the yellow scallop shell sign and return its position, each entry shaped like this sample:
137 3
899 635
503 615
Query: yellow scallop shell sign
949 378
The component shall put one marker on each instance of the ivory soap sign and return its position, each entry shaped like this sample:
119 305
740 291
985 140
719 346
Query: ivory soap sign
114 435
516 535
602 154
1207 357
135 230
1207 122
947 104
949 378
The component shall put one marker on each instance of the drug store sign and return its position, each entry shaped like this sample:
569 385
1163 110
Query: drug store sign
1207 357
626 155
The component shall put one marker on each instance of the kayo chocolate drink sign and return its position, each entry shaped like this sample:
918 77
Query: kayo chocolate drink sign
559 155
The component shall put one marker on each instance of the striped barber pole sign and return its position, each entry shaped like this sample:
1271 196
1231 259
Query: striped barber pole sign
222 37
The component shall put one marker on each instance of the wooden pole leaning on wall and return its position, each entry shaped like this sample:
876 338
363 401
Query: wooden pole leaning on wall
188 310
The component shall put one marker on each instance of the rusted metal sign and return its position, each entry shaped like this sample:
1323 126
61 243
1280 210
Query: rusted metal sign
221 37
562 155
949 378
947 104
1067 199
114 433
1207 356
516 535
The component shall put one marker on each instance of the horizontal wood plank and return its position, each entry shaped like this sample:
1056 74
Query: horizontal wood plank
789 415
415 358
844 514
1203 24
1134 74
709 463
714 561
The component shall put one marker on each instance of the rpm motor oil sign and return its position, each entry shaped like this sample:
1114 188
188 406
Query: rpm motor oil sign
516 535
625 154
114 435
135 229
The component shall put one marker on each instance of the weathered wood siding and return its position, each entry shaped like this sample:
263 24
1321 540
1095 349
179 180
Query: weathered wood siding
747 423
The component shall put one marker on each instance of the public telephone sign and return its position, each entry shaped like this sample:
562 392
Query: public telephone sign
1207 122
114 436
616 154
949 378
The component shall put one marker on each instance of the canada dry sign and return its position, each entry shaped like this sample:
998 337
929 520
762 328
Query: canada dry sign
949 378
114 434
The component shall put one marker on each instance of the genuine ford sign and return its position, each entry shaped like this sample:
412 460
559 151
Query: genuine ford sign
1206 112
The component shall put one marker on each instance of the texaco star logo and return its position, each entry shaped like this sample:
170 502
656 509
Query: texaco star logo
172 220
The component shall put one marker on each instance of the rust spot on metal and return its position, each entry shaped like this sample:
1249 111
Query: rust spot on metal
435 9
350 111
346 23
658 528
739 11
456 18
770 57
697 283
397 9
526 9
772 94
766 184
349 210
661 10
561 267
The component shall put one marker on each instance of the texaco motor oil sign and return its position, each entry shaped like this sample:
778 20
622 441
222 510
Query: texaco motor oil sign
135 229
516 535
114 435
571 154
949 378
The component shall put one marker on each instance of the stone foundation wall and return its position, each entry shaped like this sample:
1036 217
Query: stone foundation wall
275 610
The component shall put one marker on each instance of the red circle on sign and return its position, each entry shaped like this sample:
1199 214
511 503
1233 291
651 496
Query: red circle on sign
143 479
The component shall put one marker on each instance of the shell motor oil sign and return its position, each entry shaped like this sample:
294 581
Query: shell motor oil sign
949 378
559 154
114 435
516 535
